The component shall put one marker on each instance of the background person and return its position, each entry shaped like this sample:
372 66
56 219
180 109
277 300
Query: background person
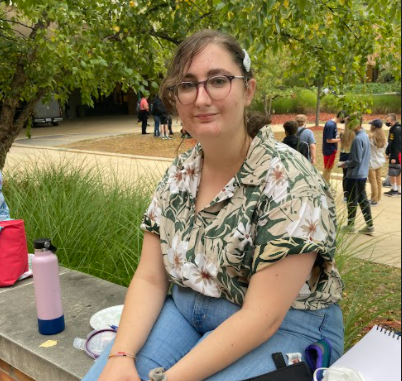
378 145
394 155
346 139
144 114
239 295
293 141
307 136
330 144
156 114
356 177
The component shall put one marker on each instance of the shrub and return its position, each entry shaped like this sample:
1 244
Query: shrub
376 88
306 102
284 106
94 222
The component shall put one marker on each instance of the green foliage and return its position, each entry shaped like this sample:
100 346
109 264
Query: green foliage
375 88
382 104
92 218
304 101
284 106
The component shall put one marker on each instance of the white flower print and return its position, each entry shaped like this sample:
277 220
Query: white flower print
191 174
228 191
176 180
201 277
154 211
177 257
243 234
308 225
277 181
324 202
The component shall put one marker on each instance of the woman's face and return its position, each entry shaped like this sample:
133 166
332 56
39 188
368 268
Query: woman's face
207 118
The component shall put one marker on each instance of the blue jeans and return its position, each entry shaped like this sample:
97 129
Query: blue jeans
189 317
157 123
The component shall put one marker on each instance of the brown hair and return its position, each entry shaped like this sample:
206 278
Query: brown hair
301 120
290 127
378 137
183 58
347 138
392 116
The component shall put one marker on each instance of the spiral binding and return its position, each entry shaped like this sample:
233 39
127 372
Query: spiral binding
391 332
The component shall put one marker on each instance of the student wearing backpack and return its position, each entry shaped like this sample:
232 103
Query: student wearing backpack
307 136
293 141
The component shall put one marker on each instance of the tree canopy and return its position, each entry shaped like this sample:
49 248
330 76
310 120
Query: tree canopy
49 46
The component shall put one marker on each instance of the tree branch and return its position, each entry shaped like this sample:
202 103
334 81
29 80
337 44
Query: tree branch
17 22
165 36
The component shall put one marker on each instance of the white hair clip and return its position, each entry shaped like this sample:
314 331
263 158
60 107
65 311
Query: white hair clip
246 61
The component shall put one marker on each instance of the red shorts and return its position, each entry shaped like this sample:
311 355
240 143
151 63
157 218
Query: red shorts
329 161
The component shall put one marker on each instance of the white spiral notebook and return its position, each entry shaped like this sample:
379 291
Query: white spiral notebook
377 356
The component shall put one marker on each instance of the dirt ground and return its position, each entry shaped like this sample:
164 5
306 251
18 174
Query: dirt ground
148 145
137 144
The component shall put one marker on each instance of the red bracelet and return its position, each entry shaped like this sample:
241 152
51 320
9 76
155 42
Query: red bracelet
122 354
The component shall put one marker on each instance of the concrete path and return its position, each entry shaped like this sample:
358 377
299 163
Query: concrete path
384 248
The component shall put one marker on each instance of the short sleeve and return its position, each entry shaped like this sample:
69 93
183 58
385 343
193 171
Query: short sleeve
311 138
304 223
152 217
334 131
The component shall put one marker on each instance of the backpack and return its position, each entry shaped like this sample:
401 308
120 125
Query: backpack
138 105
303 148
300 132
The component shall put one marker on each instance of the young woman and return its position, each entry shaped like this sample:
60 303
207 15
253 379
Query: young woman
244 231
347 136
378 146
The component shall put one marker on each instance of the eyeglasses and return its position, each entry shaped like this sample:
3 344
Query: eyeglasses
217 88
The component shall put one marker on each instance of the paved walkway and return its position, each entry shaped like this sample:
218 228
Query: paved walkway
384 248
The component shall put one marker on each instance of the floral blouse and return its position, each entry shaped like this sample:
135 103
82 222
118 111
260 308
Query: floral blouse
277 205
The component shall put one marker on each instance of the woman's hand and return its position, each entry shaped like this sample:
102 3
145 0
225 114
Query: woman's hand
120 369
393 161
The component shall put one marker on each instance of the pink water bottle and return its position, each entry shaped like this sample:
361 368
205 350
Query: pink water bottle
45 266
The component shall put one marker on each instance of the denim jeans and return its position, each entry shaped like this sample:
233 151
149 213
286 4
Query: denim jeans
157 121
189 317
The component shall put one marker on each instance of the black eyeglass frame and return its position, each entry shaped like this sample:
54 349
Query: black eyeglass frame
174 89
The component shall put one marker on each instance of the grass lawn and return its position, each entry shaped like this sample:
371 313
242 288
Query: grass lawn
371 289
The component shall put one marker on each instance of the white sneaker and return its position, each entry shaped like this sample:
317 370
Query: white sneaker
338 374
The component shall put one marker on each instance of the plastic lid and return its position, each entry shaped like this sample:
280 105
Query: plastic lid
44 243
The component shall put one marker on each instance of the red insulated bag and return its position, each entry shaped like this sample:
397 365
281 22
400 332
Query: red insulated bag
13 251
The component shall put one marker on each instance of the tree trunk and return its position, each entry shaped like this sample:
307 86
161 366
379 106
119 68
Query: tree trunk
266 104
270 107
9 127
317 113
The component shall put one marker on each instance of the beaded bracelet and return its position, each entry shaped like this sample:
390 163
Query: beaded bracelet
122 354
